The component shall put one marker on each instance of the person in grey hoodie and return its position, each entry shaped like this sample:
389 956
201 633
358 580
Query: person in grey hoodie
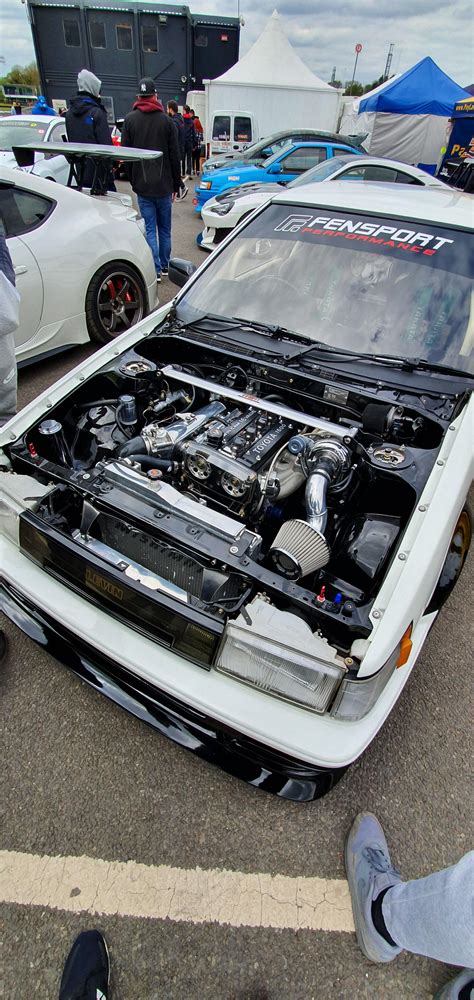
86 119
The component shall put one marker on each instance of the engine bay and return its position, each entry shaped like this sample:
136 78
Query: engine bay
211 482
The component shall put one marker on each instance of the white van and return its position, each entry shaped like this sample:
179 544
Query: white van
231 131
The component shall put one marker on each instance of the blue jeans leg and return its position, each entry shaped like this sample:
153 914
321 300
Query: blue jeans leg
432 916
163 220
148 210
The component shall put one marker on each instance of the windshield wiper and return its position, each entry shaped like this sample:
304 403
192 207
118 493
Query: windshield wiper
270 329
345 355
422 364
390 360
223 322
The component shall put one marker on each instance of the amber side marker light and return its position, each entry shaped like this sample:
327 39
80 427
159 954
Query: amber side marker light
405 646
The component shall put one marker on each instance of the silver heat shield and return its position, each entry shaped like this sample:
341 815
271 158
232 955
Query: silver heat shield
299 549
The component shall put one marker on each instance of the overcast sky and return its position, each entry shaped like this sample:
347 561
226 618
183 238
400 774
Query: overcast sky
324 32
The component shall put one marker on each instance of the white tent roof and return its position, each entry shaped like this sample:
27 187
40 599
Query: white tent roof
272 61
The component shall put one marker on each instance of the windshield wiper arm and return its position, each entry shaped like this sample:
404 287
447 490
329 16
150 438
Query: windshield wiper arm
270 329
422 364
390 360
225 322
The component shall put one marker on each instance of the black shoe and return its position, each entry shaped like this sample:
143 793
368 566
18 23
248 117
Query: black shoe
3 645
86 972
164 272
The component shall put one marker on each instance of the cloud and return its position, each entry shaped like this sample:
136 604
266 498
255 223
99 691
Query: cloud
324 32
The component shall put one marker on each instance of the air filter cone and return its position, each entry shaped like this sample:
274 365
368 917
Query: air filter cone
299 549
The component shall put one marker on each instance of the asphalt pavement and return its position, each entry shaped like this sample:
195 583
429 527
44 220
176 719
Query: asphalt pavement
82 778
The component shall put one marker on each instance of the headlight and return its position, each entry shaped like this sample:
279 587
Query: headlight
221 208
205 185
277 669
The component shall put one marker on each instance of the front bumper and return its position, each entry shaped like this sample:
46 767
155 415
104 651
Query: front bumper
210 237
201 196
235 753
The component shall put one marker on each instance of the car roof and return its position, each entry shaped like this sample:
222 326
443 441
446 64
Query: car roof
46 119
441 205
345 159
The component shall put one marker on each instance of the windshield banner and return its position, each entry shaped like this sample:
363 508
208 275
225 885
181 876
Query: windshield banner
445 248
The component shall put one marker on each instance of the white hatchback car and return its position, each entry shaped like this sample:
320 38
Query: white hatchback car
222 214
241 521
20 130
83 267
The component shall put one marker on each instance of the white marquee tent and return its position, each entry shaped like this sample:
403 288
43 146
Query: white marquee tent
275 84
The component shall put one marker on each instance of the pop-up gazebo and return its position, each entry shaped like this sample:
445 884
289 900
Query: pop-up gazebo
406 118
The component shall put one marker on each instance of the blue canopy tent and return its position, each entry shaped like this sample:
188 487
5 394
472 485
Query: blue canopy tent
408 117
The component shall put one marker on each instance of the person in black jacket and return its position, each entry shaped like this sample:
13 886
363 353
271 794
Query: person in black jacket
86 120
189 140
175 116
149 127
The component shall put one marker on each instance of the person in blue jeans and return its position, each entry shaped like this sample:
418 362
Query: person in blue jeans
156 185
430 916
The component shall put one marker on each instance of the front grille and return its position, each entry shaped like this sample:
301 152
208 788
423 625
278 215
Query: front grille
187 629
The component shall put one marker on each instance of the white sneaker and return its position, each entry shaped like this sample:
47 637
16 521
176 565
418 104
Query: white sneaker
182 193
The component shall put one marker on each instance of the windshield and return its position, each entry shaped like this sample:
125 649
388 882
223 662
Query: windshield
20 133
361 283
322 170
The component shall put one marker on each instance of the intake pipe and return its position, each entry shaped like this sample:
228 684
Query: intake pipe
300 547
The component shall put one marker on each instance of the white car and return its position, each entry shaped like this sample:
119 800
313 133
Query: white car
241 521
19 130
83 267
221 214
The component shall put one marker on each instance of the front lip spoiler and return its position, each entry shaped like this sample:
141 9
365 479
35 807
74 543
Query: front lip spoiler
234 753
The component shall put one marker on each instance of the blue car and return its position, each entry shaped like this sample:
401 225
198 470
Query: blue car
286 165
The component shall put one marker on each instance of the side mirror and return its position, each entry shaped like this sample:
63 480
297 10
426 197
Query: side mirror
180 271
274 168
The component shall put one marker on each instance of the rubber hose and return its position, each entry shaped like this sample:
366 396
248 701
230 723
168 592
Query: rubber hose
135 446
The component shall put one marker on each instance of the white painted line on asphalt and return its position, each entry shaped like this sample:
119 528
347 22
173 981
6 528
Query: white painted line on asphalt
129 889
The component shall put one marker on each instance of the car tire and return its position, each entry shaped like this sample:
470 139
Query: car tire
455 559
116 299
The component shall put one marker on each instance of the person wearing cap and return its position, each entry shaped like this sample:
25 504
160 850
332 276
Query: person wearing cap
149 127
86 120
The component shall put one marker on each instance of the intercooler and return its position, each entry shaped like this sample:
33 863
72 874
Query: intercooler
208 585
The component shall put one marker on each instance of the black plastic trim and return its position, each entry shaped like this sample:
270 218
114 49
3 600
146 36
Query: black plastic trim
234 753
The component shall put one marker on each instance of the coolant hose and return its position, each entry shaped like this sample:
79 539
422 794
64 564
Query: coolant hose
135 446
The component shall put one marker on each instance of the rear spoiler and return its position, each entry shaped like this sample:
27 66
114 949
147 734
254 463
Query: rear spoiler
78 154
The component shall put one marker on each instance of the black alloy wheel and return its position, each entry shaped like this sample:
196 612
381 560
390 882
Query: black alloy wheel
115 300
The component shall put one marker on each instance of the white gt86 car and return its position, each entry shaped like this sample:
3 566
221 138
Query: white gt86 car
242 524
83 267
